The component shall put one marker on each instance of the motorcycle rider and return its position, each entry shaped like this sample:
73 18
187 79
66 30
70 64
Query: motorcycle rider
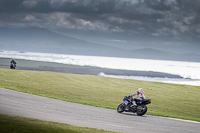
129 99
13 62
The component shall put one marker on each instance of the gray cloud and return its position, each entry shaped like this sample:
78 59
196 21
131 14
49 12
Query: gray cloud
178 19
29 4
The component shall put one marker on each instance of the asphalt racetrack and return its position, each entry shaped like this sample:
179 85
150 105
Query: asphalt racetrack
26 105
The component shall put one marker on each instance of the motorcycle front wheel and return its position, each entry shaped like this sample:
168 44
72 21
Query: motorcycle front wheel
121 108
141 110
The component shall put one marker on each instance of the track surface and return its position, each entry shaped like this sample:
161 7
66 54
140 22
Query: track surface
26 105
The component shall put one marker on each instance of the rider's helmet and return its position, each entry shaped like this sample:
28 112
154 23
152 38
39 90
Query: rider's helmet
141 93
140 90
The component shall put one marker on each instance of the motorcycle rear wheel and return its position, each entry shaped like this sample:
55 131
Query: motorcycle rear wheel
11 67
121 108
141 110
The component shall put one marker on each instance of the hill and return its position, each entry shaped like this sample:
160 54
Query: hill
42 40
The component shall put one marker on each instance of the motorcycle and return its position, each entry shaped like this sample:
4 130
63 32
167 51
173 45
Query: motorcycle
12 66
140 108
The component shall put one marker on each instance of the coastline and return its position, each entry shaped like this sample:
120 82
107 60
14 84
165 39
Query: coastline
75 69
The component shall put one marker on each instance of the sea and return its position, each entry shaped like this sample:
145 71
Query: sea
190 71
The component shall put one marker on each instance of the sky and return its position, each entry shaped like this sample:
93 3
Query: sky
172 25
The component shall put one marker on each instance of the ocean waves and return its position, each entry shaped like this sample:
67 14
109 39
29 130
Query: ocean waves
188 70
183 81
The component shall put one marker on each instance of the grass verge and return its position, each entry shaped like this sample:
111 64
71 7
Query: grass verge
15 124
169 100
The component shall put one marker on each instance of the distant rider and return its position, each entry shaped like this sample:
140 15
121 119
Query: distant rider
128 99
13 62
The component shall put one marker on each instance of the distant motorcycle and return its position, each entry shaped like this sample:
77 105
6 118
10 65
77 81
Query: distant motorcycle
12 66
140 109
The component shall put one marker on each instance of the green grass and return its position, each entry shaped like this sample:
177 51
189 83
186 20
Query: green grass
15 124
169 100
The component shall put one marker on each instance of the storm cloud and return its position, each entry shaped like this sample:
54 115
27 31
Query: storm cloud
177 19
